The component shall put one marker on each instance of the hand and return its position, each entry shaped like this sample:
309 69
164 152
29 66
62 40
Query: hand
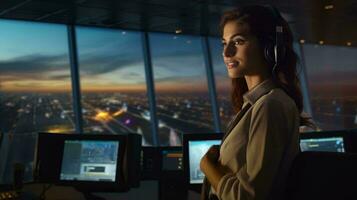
210 158
212 168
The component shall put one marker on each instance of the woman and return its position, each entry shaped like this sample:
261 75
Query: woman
262 140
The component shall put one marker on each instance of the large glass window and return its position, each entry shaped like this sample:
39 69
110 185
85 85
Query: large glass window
35 87
332 72
182 98
223 82
113 86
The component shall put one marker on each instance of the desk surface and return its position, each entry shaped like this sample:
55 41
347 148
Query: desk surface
148 190
53 192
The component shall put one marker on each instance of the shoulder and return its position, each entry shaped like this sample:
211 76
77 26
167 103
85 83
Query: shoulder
274 101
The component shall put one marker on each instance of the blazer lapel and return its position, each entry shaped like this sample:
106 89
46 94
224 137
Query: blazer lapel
236 120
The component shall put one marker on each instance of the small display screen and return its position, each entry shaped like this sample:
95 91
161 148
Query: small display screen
196 150
172 160
334 144
89 160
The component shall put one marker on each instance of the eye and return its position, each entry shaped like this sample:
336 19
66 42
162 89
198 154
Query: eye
223 44
238 42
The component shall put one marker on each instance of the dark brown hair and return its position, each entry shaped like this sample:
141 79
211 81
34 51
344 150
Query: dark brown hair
262 22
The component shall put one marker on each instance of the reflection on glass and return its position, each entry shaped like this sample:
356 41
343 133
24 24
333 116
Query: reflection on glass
332 82
223 83
183 104
113 86
35 86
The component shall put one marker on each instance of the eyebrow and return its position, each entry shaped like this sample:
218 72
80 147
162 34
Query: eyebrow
236 34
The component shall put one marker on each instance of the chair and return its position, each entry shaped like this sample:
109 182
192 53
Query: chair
323 175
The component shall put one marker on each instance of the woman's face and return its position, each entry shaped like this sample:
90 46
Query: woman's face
241 51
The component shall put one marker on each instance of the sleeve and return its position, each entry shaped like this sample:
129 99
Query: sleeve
267 137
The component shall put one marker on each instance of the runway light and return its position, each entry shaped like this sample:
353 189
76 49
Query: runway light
329 7
302 41
119 112
321 42
56 130
102 116
60 129
128 121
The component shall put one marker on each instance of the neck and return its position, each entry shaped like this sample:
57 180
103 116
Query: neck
254 80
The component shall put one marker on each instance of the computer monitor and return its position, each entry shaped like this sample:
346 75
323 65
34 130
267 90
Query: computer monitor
90 160
329 141
194 148
159 161
172 183
95 163
171 159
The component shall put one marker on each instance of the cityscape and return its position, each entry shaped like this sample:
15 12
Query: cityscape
108 113
24 114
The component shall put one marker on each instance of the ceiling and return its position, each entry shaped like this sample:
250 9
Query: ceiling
309 19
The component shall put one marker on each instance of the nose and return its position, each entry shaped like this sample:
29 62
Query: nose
229 50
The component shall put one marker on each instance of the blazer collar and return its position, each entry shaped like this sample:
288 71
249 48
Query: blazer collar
258 91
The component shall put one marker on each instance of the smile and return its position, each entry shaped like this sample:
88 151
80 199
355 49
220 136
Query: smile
231 65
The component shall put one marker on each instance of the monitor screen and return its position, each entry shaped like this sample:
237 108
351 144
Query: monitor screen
196 150
89 160
172 160
331 144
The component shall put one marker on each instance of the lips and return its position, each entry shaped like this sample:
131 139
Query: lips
232 64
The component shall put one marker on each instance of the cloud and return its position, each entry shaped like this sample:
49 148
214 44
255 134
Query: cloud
57 67
134 77
183 80
60 77
91 64
34 64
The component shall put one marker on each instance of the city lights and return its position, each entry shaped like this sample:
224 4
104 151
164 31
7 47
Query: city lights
102 116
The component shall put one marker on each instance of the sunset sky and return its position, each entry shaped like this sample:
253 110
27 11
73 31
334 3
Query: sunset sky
34 57
332 70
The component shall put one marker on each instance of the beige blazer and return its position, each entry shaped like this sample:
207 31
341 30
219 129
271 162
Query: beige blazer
261 147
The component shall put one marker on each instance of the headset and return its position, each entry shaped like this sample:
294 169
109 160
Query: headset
275 51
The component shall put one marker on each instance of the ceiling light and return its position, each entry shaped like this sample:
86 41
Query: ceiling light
302 41
178 31
349 43
329 7
321 42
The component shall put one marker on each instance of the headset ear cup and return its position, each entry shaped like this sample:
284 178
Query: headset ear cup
269 53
